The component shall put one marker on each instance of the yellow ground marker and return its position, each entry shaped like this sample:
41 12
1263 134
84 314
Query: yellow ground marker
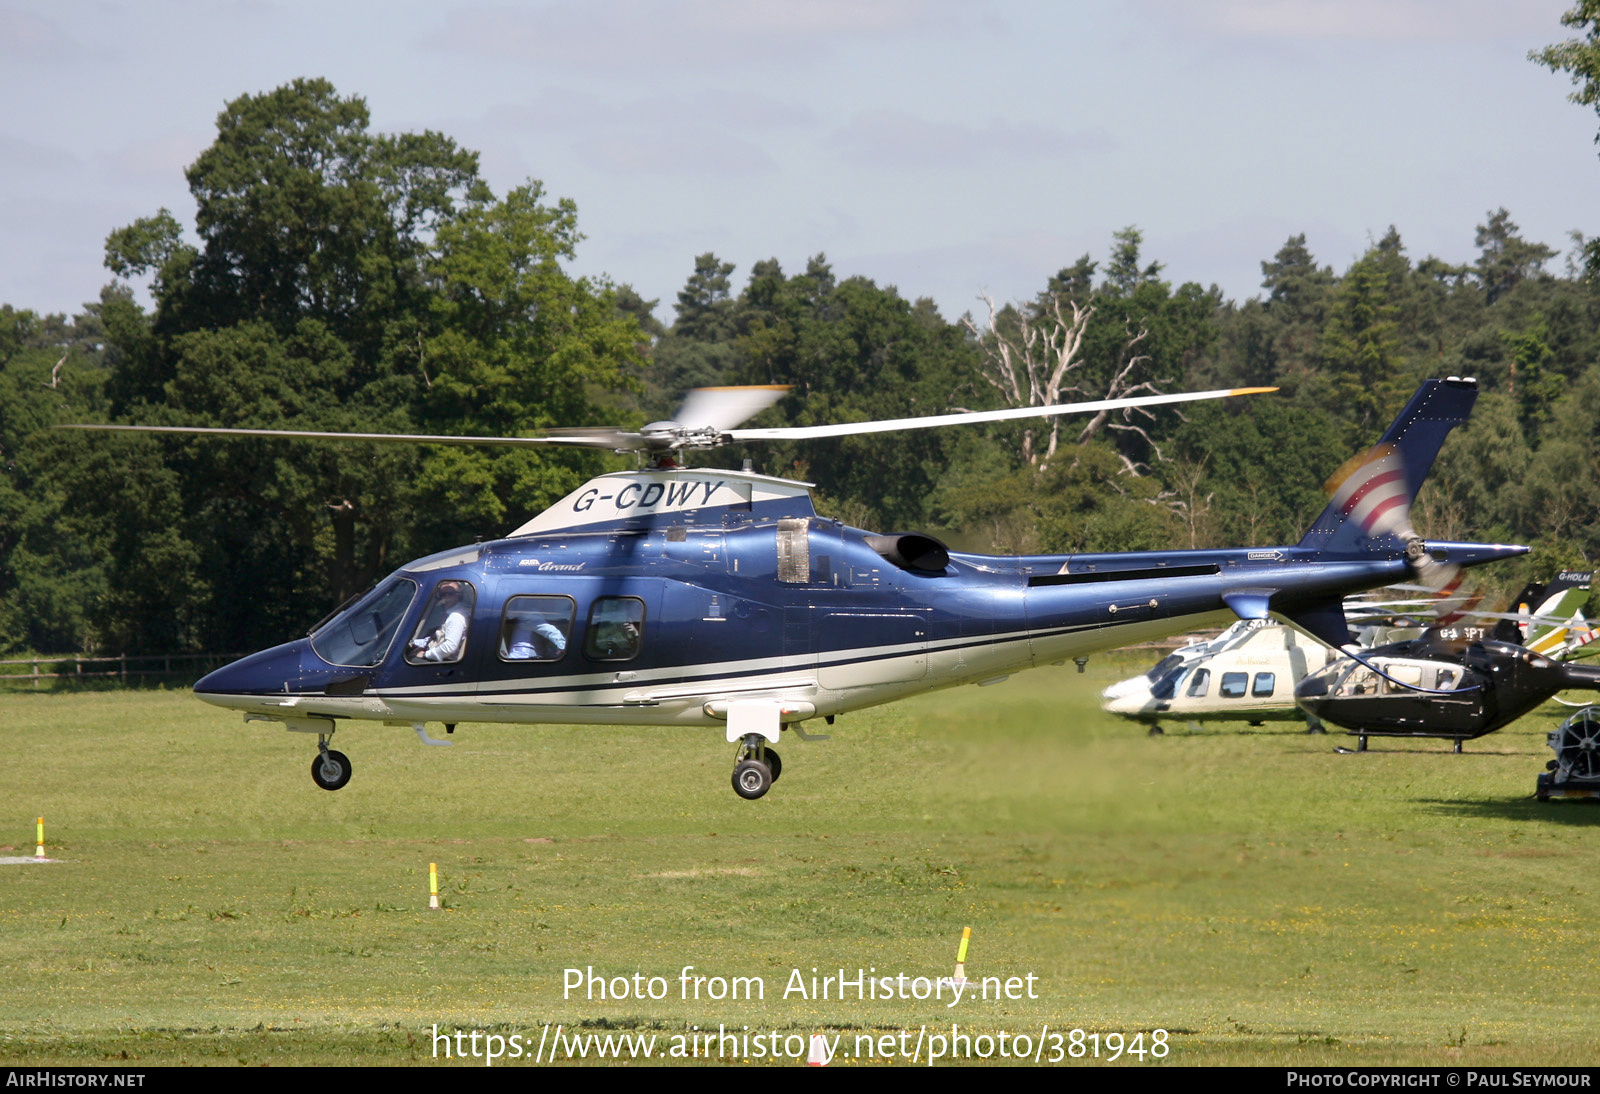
39 851
433 886
961 954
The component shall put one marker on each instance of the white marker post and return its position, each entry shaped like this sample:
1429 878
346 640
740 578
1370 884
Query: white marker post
433 886
959 980
39 851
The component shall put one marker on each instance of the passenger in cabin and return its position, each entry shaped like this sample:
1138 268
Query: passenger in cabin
533 638
615 640
614 628
446 641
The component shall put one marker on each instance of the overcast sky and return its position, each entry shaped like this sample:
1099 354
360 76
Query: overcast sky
946 148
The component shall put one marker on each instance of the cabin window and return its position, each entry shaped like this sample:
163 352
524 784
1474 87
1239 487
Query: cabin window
441 636
1233 685
1198 683
361 636
1264 683
1446 680
536 628
616 629
1403 680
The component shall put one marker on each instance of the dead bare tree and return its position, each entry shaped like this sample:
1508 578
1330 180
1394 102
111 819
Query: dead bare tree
1030 355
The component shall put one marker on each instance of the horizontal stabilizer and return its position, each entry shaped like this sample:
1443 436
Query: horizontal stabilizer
1322 619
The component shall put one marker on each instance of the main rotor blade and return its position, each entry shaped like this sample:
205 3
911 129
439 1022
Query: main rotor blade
806 433
583 438
722 408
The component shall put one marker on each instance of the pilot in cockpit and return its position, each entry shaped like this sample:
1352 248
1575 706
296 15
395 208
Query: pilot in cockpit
445 642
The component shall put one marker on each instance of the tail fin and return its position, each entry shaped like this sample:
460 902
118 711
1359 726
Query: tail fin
1372 493
1515 630
1556 615
1370 513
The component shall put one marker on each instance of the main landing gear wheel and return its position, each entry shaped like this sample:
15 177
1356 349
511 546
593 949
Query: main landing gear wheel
751 779
756 766
330 770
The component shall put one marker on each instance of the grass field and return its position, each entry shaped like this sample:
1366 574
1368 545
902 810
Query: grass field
1258 896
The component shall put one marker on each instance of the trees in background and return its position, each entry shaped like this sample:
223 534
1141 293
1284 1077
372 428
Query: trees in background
341 280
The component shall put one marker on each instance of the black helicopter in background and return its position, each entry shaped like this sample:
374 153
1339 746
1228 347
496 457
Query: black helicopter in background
1453 682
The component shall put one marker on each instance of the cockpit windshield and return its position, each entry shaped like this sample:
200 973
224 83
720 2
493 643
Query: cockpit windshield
1166 685
361 635
1164 666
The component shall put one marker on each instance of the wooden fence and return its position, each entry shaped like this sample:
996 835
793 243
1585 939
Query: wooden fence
122 665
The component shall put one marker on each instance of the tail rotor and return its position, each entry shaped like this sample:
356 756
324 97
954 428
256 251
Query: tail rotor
1372 491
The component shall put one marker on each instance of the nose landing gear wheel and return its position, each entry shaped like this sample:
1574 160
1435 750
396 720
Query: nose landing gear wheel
751 779
330 770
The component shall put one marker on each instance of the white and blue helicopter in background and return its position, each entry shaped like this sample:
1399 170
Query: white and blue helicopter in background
674 596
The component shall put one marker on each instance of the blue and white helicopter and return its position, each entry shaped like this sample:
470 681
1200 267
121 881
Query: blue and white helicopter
673 596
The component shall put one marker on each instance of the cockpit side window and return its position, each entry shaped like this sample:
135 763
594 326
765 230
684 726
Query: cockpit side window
1198 683
361 635
1359 680
536 628
441 636
616 629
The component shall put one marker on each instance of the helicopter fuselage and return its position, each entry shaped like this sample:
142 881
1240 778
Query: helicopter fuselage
1429 687
757 600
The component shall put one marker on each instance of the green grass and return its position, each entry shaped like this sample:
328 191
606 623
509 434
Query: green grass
1261 897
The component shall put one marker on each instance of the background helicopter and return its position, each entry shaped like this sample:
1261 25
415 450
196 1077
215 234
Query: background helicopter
673 596
1458 682
1247 673
1250 671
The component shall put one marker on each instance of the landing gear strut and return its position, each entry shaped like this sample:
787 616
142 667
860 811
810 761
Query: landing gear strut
330 770
756 767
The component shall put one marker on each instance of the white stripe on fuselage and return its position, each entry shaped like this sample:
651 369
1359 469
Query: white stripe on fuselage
663 697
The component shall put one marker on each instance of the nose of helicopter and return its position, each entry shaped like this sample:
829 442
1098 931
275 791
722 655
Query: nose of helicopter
1310 692
276 671
1125 689
1129 697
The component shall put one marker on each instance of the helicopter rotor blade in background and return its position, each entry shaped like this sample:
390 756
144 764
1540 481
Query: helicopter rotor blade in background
845 429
